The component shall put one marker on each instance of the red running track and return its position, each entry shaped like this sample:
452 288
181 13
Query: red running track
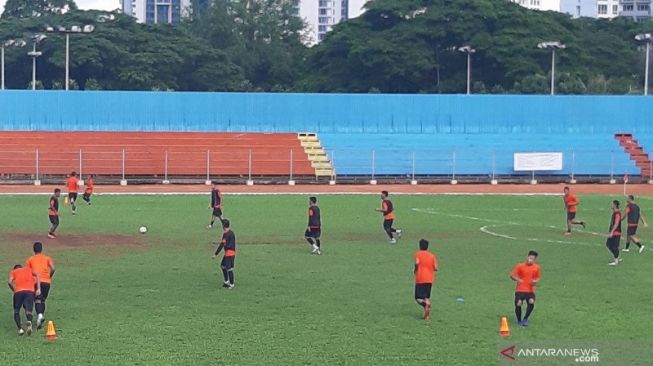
145 153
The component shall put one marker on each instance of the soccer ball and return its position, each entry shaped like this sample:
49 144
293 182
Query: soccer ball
143 230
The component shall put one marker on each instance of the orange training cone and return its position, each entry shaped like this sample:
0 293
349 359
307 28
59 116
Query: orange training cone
504 329
51 334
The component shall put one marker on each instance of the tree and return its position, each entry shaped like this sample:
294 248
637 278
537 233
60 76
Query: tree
36 8
409 46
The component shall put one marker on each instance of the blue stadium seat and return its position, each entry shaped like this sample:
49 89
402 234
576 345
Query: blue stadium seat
472 154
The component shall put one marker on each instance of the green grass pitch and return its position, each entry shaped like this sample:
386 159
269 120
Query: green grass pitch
123 298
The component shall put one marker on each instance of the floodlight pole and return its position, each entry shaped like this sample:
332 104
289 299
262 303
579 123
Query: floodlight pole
647 38
468 50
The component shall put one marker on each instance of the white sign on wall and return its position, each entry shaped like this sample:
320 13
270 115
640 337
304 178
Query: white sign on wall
538 161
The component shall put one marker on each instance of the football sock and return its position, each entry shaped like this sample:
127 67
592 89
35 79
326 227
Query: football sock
638 243
29 317
518 312
17 319
40 308
529 310
389 232
317 242
310 241
231 277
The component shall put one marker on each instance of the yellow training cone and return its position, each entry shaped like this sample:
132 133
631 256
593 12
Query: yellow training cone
51 334
65 200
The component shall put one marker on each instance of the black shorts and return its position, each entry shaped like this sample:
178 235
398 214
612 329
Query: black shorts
228 262
72 196
217 212
632 230
54 220
571 216
24 299
423 290
524 296
313 232
387 223
613 242
45 291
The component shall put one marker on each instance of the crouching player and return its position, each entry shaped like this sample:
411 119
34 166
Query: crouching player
23 282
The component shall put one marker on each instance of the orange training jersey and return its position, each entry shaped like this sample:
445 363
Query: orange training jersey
571 201
89 185
527 274
40 264
426 263
388 210
71 184
23 279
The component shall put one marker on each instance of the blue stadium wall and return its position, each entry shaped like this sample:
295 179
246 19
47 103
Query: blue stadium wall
325 113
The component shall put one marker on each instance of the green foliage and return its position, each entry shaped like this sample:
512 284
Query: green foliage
36 8
410 46
397 46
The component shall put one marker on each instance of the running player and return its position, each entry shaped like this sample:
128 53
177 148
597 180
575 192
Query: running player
229 244
23 282
216 205
89 189
387 209
527 275
426 264
72 184
614 235
53 213
42 265
571 201
634 216
314 229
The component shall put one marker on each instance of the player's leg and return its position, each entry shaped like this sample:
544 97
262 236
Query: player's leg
308 237
518 304
570 219
28 305
530 305
427 300
613 246
72 197
419 295
18 303
632 236
225 272
54 224
387 226
318 241
230 271
39 304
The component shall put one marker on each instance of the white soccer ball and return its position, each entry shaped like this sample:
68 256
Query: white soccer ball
143 230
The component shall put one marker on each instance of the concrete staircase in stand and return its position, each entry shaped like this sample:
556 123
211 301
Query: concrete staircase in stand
316 154
636 153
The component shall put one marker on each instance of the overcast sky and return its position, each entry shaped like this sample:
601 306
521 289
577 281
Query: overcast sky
85 4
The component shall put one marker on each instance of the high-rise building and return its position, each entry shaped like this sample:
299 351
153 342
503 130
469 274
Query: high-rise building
582 8
553 5
639 10
157 11
321 16
607 9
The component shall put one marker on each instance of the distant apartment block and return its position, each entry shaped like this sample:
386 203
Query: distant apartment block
321 16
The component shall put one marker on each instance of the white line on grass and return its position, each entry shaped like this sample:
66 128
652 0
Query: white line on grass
486 228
